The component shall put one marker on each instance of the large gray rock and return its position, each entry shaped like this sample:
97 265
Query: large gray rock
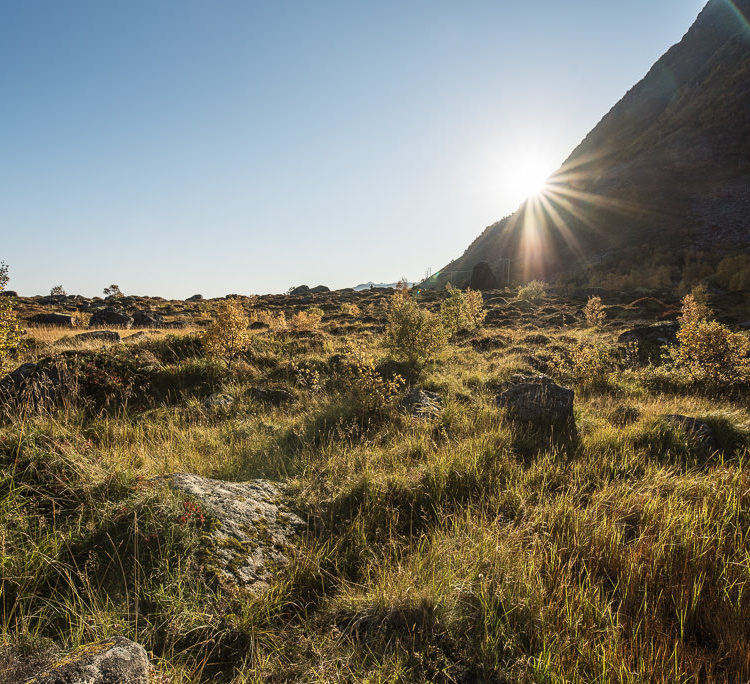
319 289
195 298
538 401
299 290
697 430
148 319
57 319
662 333
111 316
112 661
250 530
97 336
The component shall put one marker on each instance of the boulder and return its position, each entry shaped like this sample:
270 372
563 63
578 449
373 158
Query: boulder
97 336
538 400
112 661
482 277
258 325
271 395
698 430
250 529
745 325
56 319
148 319
300 290
111 316
34 383
8 293
662 333
195 298
218 401
320 289
421 403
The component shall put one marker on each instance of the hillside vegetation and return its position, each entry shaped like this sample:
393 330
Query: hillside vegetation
447 542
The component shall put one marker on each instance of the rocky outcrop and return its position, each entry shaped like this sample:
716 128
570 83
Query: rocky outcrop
147 319
538 401
250 530
482 277
112 661
111 316
195 298
320 289
299 290
56 319
97 336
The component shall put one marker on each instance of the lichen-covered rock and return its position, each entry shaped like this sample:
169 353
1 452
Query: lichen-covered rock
98 336
250 529
419 402
538 401
112 661
698 430
56 319
218 401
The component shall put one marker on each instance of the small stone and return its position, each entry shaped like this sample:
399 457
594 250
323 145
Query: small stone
218 401
421 403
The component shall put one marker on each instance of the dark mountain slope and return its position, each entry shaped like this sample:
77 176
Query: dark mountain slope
667 170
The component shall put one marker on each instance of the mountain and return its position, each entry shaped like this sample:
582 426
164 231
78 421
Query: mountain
661 182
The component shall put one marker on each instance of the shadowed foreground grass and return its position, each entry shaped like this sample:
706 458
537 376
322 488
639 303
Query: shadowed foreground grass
457 548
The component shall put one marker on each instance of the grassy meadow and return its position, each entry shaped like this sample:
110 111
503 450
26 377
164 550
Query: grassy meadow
459 546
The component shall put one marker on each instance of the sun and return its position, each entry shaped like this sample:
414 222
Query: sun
524 175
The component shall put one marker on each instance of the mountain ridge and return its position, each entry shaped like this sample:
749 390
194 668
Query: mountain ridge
670 158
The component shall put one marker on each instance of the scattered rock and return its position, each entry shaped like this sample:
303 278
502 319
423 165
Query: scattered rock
538 401
662 333
696 429
34 383
482 277
56 319
271 395
421 403
300 290
112 661
148 319
110 316
97 336
251 531
195 298
218 401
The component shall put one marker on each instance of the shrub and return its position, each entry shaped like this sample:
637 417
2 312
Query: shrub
349 309
413 333
594 312
533 291
694 307
10 329
462 310
589 364
227 337
367 388
711 353
57 290
307 320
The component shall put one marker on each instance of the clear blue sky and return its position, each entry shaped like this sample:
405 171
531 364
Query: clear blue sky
183 146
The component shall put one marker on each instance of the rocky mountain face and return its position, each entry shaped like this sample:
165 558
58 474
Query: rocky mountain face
666 170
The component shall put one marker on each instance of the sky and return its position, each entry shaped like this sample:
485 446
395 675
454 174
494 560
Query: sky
176 147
